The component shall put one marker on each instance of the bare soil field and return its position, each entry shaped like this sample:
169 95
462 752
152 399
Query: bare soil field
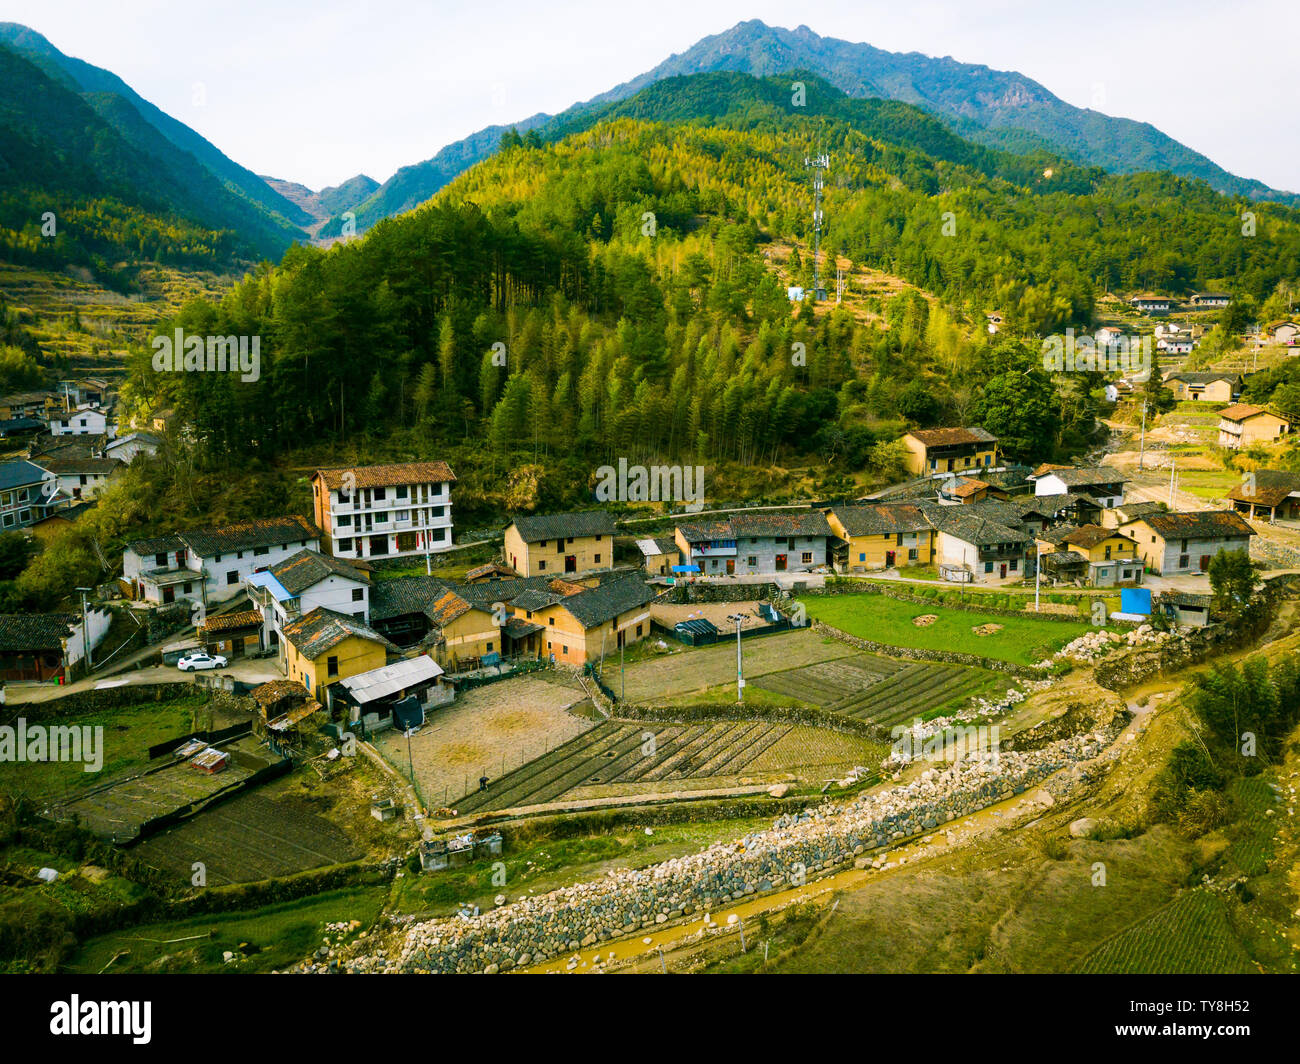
687 670
717 613
487 732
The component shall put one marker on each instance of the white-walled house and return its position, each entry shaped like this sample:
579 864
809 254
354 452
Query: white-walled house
84 421
302 582
211 564
384 511
127 448
81 478
1101 483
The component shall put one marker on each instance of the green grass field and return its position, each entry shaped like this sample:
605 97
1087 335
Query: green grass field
1191 935
1022 640
128 733
274 937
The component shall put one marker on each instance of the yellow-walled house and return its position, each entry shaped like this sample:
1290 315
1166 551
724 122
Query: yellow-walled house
1206 387
1102 557
323 647
573 626
931 452
468 631
881 537
560 544
1243 425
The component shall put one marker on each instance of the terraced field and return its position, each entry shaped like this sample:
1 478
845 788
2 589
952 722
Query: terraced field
621 753
1191 935
881 690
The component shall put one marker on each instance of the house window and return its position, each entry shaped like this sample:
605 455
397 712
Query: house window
160 560
597 559
542 543
550 620
530 614
489 646
1015 564
565 649
345 544
911 555
541 564
862 557
752 561
217 558
232 577
1183 561
358 594
988 567
597 540
345 520
259 551
188 587
401 492
806 557
332 665
638 629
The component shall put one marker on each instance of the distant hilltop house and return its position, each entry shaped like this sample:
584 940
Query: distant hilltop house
127 448
88 391
211 564
28 404
559 544
1149 304
1243 425
1102 483
1172 543
994 322
1211 386
1270 493
384 511
756 543
81 478
1210 299
1175 344
933 452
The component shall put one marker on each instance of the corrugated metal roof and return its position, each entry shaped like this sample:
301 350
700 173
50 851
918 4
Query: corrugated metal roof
388 680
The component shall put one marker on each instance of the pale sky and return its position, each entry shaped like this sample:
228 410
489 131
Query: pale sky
318 90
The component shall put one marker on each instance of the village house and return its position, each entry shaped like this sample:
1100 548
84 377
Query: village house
1097 556
559 544
1179 344
58 521
404 690
1209 387
1172 543
1243 425
659 555
1151 304
83 421
211 564
1286 333
1101 483
285 715
757 543
964 490
322 647
1268 493
300 583
16 427
971 548
1210 299
81 478
573 626
232 635
127 448
1188 608
384 511
880 537
1115 516
482 574
28 404
932 452
46 646
27 495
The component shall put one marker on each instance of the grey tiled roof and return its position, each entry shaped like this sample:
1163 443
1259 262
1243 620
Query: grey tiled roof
541 527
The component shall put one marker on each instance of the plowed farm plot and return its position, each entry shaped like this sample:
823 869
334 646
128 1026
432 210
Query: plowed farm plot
249 837
880 690
623 758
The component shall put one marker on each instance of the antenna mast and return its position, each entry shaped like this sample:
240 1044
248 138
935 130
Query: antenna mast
819 164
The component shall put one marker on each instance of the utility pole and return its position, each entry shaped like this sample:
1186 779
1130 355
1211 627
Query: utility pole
1038 574
740 670
1142 447
85 630
1173 465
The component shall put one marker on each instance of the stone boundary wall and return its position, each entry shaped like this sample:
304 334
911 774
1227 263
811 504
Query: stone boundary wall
93 701
817 841
952 657
818 718
689 593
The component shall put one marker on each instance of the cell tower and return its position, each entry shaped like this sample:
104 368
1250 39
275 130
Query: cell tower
819 164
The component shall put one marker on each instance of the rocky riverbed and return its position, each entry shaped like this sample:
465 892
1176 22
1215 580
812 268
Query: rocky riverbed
796 848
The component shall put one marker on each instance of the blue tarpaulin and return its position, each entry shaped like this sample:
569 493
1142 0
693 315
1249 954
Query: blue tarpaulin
686 568
1135 600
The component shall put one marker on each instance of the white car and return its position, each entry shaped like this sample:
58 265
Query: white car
200 660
